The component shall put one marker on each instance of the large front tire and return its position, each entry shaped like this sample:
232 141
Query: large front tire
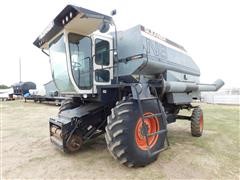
124 136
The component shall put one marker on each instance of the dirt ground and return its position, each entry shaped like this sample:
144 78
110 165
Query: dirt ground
26 151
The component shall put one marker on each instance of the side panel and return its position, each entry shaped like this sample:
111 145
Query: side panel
164 53
159 55
179 98
176 76
130 43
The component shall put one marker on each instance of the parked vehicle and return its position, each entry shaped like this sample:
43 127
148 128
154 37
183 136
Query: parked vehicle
127 84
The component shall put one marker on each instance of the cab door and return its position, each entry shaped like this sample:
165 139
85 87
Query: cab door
102 61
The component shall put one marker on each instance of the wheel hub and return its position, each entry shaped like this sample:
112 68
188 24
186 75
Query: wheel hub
144 129
149 126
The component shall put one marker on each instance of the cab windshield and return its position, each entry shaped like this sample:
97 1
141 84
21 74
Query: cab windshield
80 55
59 65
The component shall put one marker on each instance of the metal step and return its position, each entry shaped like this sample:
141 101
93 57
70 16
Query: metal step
149 98
156 152
157 132
152 115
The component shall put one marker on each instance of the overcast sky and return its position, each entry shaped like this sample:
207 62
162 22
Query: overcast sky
208 29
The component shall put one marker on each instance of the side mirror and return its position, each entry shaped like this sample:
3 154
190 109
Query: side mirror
104 27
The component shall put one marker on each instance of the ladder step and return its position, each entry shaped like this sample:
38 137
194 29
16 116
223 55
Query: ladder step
152 115
148 98
156 152
157 132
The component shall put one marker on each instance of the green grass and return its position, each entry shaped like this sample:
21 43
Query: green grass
219 143
27 152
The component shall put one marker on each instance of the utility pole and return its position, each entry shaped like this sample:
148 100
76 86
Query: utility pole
20 70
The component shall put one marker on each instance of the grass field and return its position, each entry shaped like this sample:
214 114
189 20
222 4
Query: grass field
27 153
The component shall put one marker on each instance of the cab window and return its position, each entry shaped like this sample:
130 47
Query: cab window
102 52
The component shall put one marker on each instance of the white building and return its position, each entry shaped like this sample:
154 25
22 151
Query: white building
224 96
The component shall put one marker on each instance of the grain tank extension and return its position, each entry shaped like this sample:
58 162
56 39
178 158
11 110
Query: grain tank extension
128 85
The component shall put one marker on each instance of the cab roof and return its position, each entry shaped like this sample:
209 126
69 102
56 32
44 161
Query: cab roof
73 18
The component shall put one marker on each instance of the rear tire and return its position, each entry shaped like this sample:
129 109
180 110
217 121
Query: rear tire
122 133
197 122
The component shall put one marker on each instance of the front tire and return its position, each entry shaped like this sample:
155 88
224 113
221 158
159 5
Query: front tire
67 104
124 136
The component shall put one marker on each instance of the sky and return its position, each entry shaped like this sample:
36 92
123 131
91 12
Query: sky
208 29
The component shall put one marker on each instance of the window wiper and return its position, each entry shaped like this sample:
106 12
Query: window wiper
78 63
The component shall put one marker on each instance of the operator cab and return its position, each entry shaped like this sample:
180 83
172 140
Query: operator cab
81 56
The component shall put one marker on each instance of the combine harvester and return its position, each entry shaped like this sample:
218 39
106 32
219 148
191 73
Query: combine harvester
128 84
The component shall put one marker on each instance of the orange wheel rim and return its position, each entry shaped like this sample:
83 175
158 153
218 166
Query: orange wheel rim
152 127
